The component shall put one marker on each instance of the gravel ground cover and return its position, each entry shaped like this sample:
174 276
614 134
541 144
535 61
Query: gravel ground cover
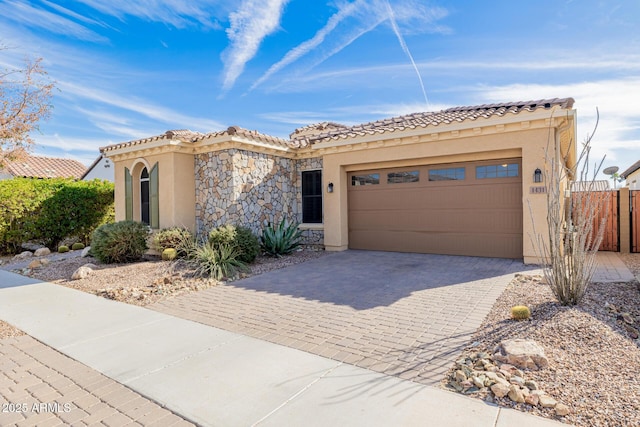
148 281
594 357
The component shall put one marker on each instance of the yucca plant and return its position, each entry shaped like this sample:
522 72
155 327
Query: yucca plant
217 262
281 239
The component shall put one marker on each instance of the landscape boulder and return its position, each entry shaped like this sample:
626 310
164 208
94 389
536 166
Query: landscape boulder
42 252
524 354
82 273
23 255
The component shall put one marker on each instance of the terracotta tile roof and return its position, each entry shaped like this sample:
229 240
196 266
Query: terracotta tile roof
45 167
190 136
315 129
249 134
634 167
433 119
326 131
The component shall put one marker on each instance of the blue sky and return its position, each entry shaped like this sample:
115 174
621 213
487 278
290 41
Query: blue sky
128 69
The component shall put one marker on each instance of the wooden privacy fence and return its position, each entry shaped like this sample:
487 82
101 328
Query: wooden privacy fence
622 225
634 205
607 212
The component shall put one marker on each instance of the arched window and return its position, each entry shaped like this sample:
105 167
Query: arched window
145 196
142 190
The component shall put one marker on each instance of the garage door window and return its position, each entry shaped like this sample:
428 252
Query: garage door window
370 179
403 177
450 174
498 171
312 197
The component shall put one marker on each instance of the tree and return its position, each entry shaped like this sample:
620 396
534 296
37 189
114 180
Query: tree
25 95
575 227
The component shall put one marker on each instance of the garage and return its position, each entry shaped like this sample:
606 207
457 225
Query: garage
472 208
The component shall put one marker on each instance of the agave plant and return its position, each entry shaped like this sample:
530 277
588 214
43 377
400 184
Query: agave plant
218 262
281 239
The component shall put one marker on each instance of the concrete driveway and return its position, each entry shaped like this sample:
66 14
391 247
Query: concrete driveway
407 315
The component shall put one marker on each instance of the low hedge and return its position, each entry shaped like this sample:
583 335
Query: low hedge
47 211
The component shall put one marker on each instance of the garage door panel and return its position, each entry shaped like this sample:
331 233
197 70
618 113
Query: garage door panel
390 198
438 220
489 245
481 217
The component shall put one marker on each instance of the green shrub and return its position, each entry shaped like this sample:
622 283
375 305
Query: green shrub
241 238
217 262
169 254
520 312
175 237
49 210
77 246
20 201
62 249
281 239
123 241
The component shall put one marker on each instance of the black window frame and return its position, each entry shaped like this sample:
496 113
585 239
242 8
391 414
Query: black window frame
312 197
458 173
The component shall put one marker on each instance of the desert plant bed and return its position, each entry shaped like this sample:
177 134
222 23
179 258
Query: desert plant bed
150 280
593 353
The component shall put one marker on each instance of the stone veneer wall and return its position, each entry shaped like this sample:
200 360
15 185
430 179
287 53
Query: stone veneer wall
310 236
251 189
242 187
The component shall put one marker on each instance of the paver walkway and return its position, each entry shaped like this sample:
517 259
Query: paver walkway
42 387
407 315
610 268
218 378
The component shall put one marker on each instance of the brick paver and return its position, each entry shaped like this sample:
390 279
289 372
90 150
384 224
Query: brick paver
42 387
407 315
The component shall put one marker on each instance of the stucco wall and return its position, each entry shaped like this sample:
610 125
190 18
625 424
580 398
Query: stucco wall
176 188
633 180
102 170
243 187
529 144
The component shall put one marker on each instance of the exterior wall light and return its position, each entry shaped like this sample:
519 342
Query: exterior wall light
330 187
537 175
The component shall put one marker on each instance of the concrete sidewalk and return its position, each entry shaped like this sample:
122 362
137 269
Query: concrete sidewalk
214 377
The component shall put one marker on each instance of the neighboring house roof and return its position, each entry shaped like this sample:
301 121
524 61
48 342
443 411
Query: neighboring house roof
599 185
448 116
44 167
634 167
326 131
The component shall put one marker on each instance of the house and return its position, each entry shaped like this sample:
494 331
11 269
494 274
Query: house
463 181
632 176
101 168
29 166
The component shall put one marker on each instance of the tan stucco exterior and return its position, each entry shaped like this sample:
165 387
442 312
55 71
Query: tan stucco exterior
528 139
633 180
176 183
528 135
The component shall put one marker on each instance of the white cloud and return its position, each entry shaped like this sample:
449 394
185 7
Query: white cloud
25 14
406 50
350 115
177 13
354 20
249 25
139 106
302 49
619 126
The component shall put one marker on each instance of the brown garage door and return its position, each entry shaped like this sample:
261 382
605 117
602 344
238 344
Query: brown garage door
459 209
